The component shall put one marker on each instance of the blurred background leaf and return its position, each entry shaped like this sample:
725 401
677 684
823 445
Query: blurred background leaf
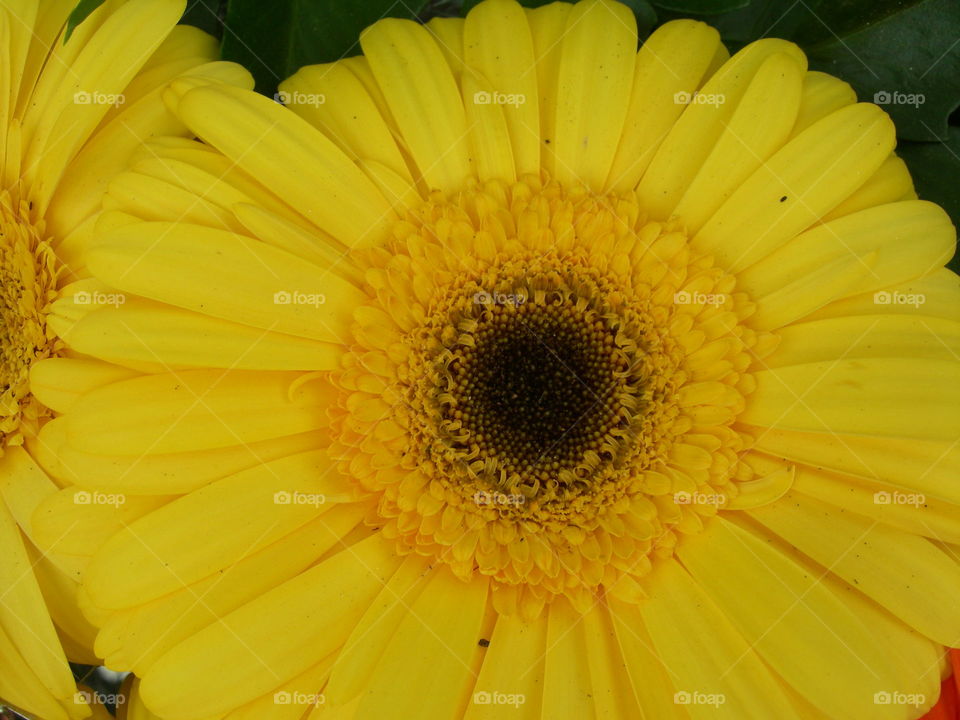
208 15
274 39
700 7
907 60
79 14
936 173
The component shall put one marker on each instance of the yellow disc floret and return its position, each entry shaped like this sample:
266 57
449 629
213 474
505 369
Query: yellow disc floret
543 389
28 278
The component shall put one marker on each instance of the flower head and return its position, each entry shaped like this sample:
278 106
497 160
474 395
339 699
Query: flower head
525 369
71 113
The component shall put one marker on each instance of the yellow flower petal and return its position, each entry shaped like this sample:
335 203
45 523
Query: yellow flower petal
566 675
423 98
671 64
885 564
141 331
872 396
909 238
227 276
138 636
758 127
548 23
58 382
428 665
270 639
805 632
514 644
683 151
923 465
292 158
593 90
23 613
212 528
333 99
498 46
890 183
726 675
807 177
373 632
197 409
652 680
822 95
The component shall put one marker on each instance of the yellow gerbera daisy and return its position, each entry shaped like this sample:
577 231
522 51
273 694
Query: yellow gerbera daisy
511 372
71 114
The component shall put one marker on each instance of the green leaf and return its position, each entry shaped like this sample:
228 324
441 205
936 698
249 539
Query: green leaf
935 168
902 54
80 13
207 15
759 18
645 14
701 7
274 39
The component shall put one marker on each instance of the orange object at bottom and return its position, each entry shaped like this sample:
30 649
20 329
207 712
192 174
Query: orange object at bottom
948 707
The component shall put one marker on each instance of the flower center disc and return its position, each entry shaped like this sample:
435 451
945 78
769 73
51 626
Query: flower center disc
27 286
542 389
536 393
